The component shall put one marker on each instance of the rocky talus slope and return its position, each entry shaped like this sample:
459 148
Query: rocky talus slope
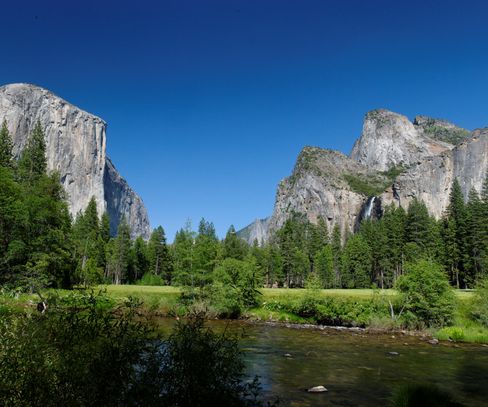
393 161
76 149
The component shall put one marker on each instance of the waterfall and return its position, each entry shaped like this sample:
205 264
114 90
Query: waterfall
369 208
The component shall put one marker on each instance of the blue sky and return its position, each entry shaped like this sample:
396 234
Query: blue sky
208 103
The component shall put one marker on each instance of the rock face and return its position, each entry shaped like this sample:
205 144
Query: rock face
76 148
431 178
256 231
393 161
389 140
318 189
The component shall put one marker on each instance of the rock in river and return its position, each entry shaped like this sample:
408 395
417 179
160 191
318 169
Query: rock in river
317 389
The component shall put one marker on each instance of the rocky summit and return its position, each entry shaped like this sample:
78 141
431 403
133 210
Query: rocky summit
76 149
393 161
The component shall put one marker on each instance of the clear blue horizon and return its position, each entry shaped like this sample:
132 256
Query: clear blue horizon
208 103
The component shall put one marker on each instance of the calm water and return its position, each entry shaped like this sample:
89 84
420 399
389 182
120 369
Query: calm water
357 368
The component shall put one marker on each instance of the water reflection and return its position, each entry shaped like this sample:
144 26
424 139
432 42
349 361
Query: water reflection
357 369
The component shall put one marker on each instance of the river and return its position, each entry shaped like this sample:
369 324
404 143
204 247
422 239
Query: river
357 368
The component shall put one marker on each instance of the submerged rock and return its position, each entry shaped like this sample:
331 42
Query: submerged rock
317 389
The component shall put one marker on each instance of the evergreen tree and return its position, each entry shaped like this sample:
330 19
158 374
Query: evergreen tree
160 263
48 232
356 262
233 246
33 162
13 226
475 248
418 228
205 253
105 227
140 258
394 220
89 246
324 266
6 147
183 256
336 246
456 213
118 253
317 236
374 234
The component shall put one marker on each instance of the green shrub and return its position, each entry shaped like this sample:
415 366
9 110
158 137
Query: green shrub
234 287
150 279
426 296
480 303
201 368
86 354
335 311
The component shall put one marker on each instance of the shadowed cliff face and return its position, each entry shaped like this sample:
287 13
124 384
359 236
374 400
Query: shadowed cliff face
393 159
76 149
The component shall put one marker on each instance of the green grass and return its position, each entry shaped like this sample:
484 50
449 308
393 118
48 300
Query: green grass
272 293
464 328
157 298
165 299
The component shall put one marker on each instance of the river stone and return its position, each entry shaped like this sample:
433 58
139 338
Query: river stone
433 341
393 353
317 389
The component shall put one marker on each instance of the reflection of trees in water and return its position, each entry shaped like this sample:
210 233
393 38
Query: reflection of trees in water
473 374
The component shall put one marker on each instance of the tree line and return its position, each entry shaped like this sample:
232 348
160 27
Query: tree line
41 243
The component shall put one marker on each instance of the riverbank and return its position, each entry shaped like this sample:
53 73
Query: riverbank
349 308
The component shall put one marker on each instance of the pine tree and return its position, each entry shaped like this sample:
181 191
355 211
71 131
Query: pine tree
13 226
140 258
456 212
6 147
374 234
356 260
105 227
417 225
160 263
119 252
317 236
205 253
33 162
394 220
183 256
474 243
233 246
336 245
324 266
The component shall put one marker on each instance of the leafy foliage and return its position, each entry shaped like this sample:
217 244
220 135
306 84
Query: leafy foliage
84 352
426 295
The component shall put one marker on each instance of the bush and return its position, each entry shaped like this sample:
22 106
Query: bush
332 310
234 287
150 279
90 355
480 303
201 368
426 296
81 355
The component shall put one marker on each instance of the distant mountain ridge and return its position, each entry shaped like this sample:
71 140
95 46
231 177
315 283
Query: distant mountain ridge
393 161
76 148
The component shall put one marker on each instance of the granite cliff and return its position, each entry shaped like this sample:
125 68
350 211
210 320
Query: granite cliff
393 161
76 149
